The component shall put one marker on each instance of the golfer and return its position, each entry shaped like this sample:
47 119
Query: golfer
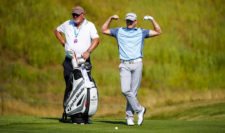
80 36
130 41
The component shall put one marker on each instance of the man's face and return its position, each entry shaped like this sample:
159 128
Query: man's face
131 24
78 18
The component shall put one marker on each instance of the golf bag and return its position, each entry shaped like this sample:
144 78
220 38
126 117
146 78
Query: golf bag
83 98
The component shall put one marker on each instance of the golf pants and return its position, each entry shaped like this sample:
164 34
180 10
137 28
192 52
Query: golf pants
130 76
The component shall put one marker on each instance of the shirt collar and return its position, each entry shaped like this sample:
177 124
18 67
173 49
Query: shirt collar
130 28
83 23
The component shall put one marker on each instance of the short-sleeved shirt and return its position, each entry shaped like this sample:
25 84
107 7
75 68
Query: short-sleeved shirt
130 42
78 39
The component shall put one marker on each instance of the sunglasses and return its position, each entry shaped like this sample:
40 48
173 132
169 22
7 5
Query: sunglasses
75 15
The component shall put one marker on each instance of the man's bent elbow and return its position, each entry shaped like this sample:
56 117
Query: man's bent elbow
55 31
105 31
159 32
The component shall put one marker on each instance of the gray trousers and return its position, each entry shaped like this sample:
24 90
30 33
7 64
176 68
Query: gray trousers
130 76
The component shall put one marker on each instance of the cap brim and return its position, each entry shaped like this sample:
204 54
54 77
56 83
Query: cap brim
130 18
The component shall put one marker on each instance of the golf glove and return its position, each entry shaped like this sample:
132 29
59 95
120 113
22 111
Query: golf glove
148 18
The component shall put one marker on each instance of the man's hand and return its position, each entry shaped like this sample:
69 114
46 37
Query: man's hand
148 18
86 55
116 17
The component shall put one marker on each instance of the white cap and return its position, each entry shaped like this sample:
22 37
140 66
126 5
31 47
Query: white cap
131 16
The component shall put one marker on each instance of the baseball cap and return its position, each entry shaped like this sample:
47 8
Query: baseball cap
131 16
78 10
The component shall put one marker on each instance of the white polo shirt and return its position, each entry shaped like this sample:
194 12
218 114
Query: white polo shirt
78 39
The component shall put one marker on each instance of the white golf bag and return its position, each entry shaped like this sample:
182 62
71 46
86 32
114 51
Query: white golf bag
83 97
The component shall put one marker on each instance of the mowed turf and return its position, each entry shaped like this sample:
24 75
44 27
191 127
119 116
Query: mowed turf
211 120
10 124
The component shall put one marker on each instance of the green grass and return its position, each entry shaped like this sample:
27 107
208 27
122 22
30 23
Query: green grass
189 55
212 112
198 119
17 124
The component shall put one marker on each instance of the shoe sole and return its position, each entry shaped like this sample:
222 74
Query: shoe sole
143 118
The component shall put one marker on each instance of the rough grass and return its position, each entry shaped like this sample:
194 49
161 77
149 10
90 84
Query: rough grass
50 105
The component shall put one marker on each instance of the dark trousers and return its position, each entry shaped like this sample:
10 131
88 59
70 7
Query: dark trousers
68 69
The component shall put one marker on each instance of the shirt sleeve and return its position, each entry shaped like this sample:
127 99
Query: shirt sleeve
93 31
145 33
113 32
61 28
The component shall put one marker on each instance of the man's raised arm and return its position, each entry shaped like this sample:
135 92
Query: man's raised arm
105 26
157 30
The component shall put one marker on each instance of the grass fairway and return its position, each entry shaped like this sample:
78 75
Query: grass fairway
201 117
9 124
211 120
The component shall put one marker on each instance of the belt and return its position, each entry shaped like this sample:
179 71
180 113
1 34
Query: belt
131 61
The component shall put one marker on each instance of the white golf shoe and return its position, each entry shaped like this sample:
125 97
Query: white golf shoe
141 116
130 121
